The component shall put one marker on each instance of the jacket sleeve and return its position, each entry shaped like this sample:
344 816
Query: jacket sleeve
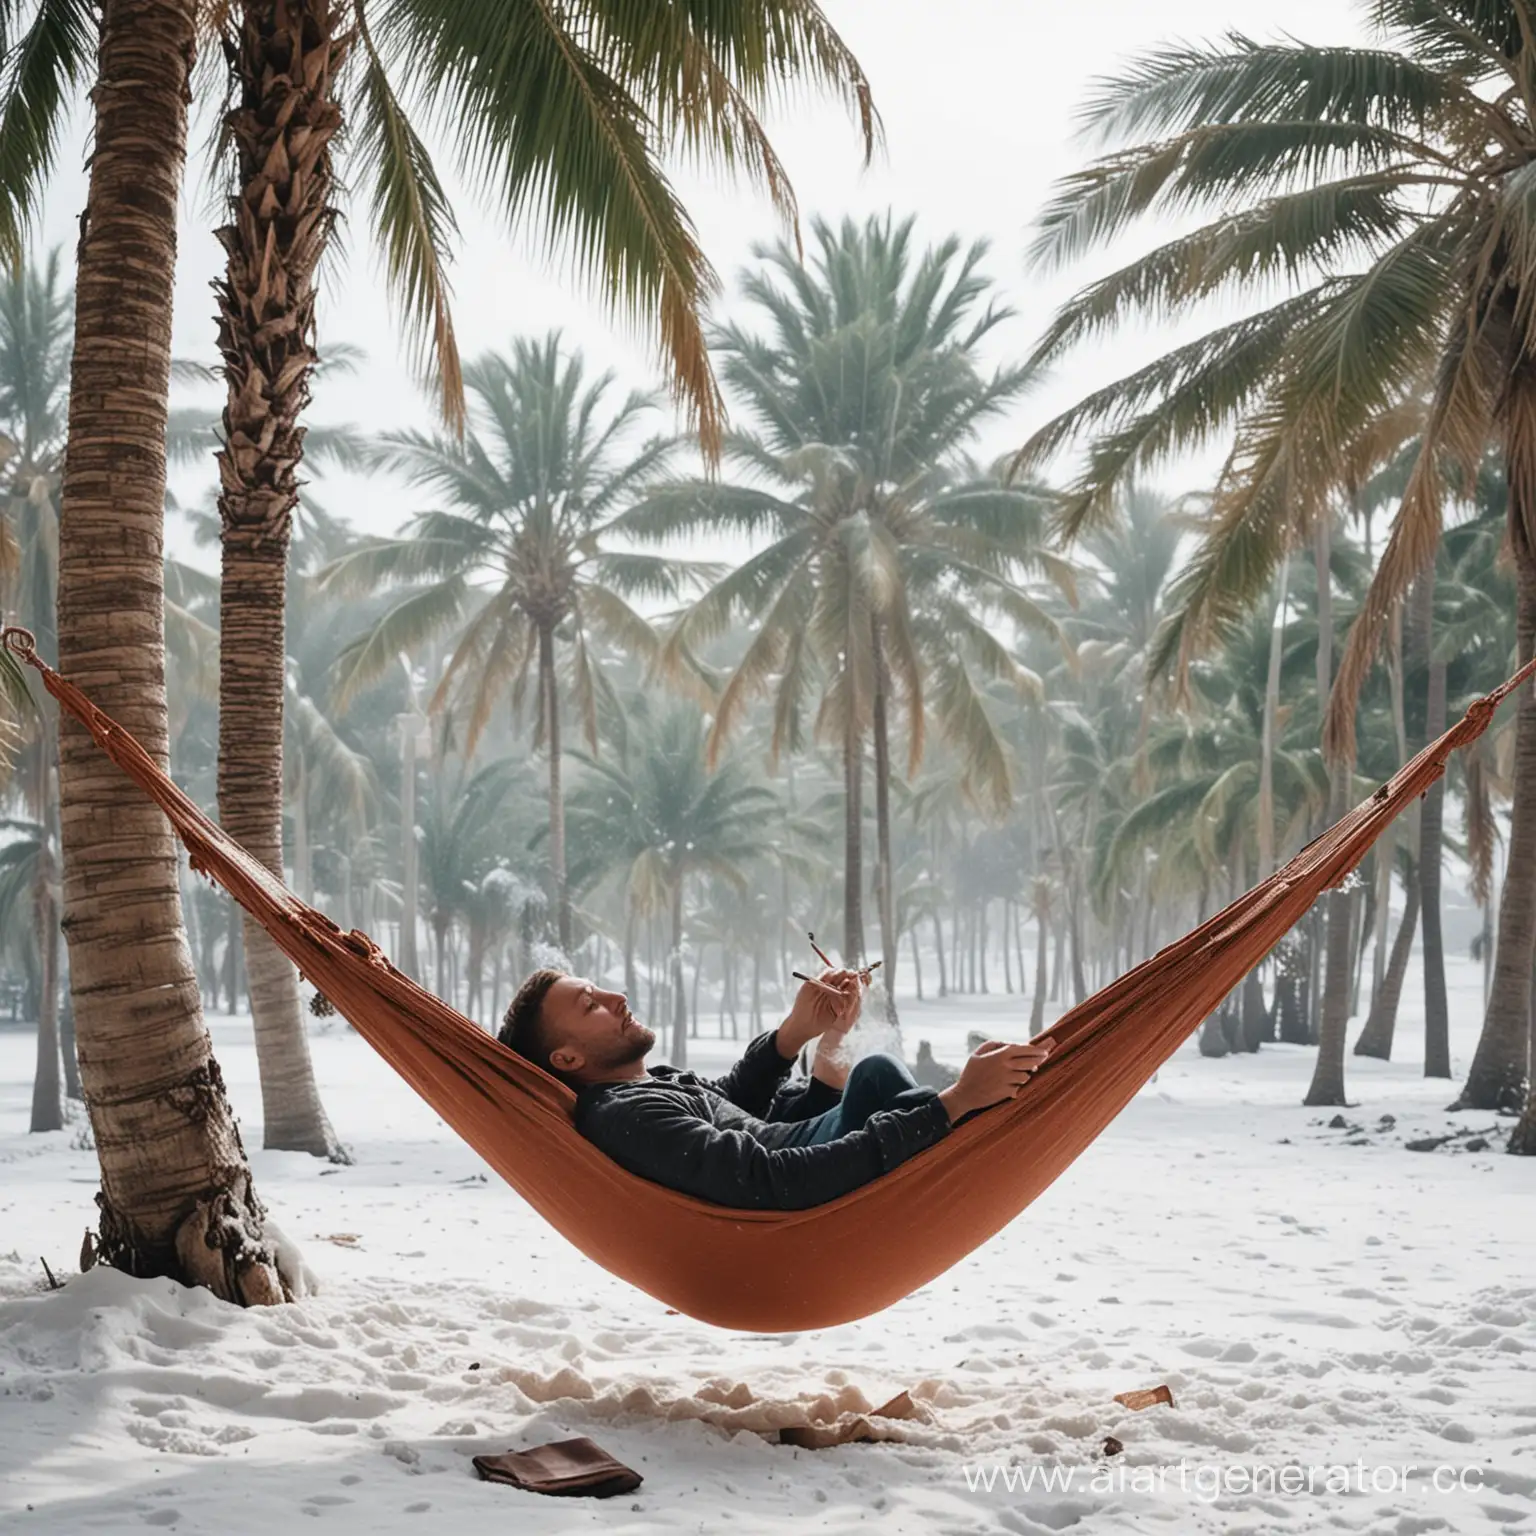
752 1083
803 1098
658 1136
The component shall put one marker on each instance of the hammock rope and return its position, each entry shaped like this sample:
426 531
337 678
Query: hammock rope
780 1271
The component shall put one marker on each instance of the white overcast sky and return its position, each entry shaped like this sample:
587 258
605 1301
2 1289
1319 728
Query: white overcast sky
978 99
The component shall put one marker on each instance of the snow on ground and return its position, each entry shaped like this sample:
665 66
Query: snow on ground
1328 1308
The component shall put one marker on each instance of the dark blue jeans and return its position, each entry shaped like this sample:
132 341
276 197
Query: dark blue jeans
872 1085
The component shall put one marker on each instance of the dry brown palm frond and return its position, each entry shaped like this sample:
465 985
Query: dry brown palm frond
1454 437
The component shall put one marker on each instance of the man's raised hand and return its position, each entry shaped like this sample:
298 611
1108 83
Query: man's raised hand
830 1003
997 1070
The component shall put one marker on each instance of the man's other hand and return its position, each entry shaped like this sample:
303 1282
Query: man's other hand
996 1071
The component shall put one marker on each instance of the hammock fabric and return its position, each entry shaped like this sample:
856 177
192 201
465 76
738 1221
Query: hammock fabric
781 1271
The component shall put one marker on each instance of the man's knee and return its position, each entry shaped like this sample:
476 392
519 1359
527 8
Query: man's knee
881 1070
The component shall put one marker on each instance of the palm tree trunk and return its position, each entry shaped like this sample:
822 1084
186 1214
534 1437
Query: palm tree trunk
884 877
1079 985
1380 1023
631 983
47 1083
1386 855
938 949
1498 1075
1059 959
1327 1085
1437 1017
410 876
67 1046
440 958
1362 918
284 61
853 846
177 1197
474 973
1018 944
549 692
1267 743
1037 1007
51 948
675 967
981 944
1522 1140
693 1008
303 850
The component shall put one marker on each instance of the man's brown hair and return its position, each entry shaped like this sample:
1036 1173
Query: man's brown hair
522 1030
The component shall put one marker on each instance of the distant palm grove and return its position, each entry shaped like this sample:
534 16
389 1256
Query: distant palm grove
655 701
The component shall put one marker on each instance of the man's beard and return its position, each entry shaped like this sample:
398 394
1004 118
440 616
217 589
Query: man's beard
633 1045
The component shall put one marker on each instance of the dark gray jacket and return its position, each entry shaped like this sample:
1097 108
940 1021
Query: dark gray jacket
722 1139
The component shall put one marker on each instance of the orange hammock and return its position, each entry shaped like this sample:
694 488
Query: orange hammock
782 1270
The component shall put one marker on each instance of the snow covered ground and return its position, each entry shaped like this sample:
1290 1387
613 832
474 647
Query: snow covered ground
1328 1308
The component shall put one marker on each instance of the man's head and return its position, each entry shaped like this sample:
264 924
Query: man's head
575 1030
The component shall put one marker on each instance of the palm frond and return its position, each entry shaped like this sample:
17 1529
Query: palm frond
546 126
414 220
49 62
407 624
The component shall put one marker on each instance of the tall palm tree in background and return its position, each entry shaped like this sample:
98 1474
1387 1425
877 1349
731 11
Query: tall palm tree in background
888 554
460 838
1385 189
563 116
529 494
659 818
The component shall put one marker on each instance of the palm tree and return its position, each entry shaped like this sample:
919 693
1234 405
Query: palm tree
530 494
187 1208
1383 188
660 818
565 116
887 553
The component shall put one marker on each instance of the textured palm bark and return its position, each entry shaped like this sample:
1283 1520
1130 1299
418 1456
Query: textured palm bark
284 58
176 1193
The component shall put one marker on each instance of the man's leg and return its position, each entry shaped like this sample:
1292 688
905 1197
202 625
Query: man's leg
873 1084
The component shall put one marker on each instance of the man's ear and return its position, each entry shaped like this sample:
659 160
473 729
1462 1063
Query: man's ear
564 1059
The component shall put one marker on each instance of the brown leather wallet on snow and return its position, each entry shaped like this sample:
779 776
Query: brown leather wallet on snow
568 1467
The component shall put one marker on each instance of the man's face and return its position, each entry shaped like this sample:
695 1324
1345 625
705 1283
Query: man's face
598 1037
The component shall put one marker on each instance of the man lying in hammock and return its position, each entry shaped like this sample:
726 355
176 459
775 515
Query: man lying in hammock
751 1138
